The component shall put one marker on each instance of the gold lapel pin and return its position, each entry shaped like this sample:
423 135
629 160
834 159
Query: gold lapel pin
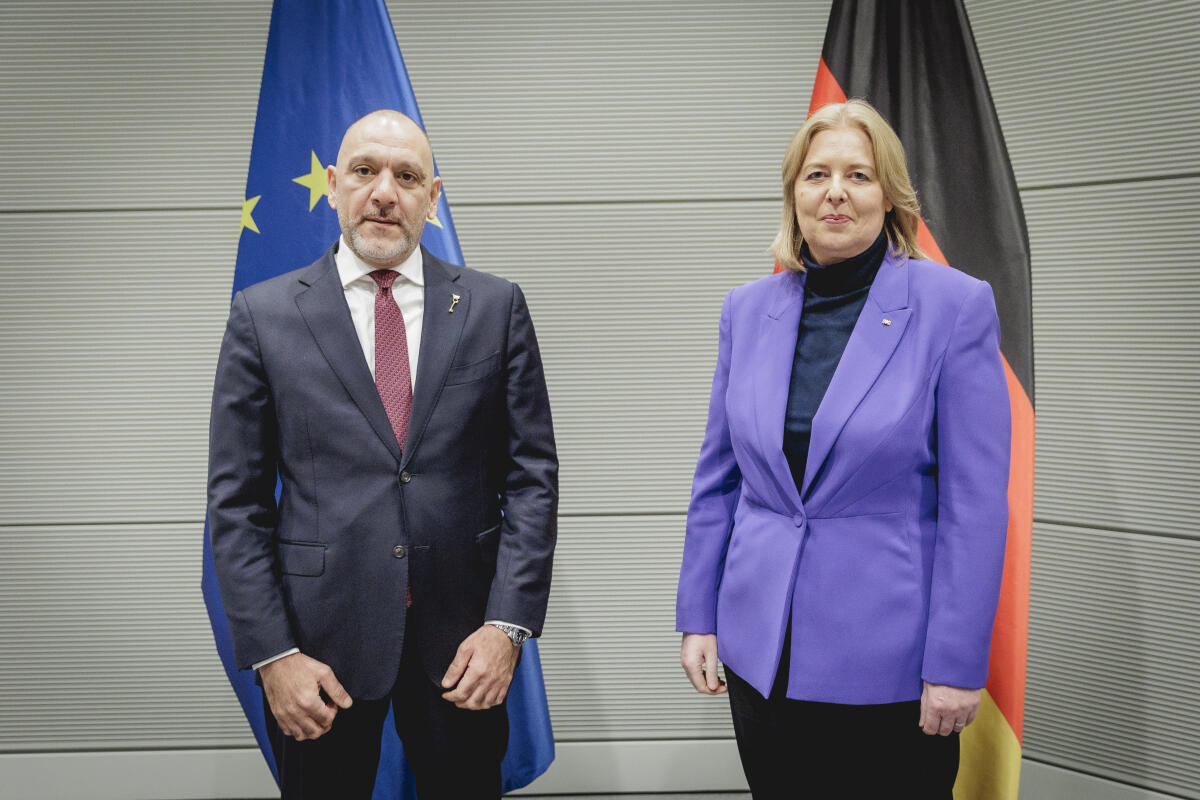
453 302
887 321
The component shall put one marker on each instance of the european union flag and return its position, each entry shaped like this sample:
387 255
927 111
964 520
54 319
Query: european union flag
327 64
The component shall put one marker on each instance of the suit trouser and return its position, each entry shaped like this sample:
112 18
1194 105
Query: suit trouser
453 753
801 749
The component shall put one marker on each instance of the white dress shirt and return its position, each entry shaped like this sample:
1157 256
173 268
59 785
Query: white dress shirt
408 291
360 289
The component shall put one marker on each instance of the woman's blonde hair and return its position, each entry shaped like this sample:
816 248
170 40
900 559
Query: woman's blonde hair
890 168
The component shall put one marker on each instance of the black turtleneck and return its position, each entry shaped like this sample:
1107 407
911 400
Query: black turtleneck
833 298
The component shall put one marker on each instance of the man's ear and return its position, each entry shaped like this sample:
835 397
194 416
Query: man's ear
434 195
331 179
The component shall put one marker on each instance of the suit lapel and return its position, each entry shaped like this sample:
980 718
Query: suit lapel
323 307
774 353
441 329
878 330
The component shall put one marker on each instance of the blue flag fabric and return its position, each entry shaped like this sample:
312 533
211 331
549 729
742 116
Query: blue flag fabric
329 62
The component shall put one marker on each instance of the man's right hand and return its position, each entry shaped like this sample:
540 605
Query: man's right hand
293 687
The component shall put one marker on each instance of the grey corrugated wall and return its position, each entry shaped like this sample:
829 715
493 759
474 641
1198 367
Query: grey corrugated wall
619 160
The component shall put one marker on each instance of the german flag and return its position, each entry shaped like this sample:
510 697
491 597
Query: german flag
916 62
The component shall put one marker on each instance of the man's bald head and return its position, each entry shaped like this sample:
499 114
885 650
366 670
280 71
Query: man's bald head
383 187
384 122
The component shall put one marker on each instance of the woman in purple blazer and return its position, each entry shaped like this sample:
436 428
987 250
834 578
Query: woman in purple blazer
845 537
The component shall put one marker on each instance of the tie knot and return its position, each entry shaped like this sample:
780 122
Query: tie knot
384 277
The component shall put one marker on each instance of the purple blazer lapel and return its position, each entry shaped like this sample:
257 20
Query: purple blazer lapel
323 306
774 353
878 330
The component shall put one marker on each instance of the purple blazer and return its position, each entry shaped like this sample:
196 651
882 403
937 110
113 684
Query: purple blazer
888 562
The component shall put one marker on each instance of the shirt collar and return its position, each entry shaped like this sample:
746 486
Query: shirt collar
352 268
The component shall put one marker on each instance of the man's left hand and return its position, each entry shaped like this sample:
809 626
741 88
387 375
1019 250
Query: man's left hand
482 669
947 709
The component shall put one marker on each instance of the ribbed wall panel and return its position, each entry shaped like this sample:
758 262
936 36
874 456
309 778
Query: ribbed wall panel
626 100
128 103
1093 90
104 642
1113 646
1117 350
626 299
150 105
107 354
609 652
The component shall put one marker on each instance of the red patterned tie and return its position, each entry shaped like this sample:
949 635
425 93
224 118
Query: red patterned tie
392 377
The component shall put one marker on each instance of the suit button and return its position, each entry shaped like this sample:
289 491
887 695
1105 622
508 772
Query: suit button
799 519
398 551
405 477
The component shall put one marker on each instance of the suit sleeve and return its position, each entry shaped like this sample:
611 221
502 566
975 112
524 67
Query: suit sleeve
521 586
242 512
716 487
973 429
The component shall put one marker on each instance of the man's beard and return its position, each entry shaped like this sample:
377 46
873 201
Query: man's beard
391 252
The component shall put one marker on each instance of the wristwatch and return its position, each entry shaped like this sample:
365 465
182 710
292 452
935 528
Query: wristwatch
515 634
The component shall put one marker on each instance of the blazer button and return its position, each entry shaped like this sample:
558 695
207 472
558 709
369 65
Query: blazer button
398 551
405 477
799 519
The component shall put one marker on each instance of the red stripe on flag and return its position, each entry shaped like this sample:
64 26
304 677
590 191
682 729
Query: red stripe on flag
826 89
926 242
1010 634
1010 637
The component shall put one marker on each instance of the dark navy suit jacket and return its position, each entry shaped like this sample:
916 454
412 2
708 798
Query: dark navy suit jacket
465 512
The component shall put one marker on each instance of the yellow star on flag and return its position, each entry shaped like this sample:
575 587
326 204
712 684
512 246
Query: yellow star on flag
247 207
434 220
315 180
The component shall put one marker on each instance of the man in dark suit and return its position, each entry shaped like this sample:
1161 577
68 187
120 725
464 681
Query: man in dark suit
400 404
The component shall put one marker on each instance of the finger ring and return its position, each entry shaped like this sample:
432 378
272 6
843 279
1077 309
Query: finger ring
958 726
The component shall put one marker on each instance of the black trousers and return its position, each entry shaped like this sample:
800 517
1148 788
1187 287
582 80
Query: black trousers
801 749
454 754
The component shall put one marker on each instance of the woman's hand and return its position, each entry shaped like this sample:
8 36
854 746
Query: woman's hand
698 655
947 709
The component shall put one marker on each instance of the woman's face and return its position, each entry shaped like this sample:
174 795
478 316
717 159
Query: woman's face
839 202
